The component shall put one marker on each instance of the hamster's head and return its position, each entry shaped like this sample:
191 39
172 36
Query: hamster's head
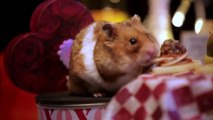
130 45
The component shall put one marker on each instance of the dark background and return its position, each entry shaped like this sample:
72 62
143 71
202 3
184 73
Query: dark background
16 14
15 17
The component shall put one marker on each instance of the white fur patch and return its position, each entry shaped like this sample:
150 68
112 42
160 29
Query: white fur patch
87 51
91 74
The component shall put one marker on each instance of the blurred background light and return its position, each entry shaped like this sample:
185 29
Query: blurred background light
109 14
158 21
115 1
198 25
200 15
179 16
178 19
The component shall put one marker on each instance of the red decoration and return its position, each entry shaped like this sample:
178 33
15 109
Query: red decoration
31 59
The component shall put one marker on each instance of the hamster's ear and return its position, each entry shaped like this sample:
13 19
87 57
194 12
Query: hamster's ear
110 33
108 29
136 19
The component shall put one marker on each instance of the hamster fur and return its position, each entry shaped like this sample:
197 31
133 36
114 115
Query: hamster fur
105 56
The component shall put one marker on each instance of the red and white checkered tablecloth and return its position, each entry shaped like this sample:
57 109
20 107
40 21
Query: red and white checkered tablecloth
187 96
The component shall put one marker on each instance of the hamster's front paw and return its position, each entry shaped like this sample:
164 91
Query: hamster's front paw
97 95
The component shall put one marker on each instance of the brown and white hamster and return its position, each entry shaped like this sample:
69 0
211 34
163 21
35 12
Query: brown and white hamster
105 56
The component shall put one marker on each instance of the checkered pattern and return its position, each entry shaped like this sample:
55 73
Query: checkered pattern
187 96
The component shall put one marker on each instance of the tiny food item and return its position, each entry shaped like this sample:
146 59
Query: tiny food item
174 59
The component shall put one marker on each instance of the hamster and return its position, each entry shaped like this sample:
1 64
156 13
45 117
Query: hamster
105 56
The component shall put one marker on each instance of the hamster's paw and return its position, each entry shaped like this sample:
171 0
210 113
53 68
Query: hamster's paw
97 95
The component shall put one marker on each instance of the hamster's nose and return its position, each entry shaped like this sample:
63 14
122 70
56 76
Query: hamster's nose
152 52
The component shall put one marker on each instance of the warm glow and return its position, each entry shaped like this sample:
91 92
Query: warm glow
115 1
109 14
198 25
178 19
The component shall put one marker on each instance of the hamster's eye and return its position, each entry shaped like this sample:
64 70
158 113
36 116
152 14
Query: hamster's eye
133 41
